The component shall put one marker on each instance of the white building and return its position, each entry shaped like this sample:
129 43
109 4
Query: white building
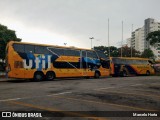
138 39
129 42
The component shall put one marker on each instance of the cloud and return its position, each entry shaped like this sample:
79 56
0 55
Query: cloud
77 20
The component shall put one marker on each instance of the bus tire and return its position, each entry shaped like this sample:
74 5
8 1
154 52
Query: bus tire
38 76
147 73
97 74
50 75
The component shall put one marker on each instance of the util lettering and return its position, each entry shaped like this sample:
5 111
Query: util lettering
37 62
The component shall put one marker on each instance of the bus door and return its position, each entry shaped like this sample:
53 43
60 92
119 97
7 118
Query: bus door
106 69
84 63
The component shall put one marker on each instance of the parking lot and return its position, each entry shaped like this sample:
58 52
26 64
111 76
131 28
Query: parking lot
78 98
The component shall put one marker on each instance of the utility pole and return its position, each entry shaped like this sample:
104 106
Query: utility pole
108 40
131 40
122 39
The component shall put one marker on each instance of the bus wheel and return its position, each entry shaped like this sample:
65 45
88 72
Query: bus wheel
38 76
96 75
147 73
50 75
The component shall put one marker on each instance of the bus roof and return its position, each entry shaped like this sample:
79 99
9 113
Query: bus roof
57 46
131 58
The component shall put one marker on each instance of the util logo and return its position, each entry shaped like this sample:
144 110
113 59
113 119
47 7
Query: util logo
38 62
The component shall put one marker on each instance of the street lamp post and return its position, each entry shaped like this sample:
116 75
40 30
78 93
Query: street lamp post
122 40
131 40
91 41
108 40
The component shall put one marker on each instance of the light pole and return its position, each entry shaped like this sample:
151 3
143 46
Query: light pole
122 40
91 41
131 40
108 40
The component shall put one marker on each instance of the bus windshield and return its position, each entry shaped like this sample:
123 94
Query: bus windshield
102 55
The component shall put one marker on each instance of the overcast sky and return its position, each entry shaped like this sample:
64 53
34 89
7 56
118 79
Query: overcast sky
74 21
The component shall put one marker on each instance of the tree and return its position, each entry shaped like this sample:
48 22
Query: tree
153 37
116 52
126 52
113 50
6 35
147 53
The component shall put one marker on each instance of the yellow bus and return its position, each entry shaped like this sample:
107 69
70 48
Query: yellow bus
125 66
46 62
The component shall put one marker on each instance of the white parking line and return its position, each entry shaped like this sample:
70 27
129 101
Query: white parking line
104 88
12 99
136 85
117 87
59 93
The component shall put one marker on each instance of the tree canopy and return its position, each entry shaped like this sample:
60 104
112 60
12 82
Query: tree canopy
113 50
126 52
6 35
154 37
116 52
147 53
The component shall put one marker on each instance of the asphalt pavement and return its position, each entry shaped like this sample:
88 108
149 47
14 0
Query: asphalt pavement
110 98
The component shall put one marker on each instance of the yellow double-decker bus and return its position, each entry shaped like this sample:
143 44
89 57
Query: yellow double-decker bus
46 62
125 66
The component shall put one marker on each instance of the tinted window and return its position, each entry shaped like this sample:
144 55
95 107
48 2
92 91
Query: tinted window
83 53
117 61
125 61
41 50
57 51
18 47
70 52
29 48
101 55
91 54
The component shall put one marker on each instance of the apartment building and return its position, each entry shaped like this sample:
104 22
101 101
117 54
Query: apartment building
138 37
137 40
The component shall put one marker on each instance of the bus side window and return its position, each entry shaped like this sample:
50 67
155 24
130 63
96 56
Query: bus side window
29 48
18 47
92 54
57 51
71 52
41 50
